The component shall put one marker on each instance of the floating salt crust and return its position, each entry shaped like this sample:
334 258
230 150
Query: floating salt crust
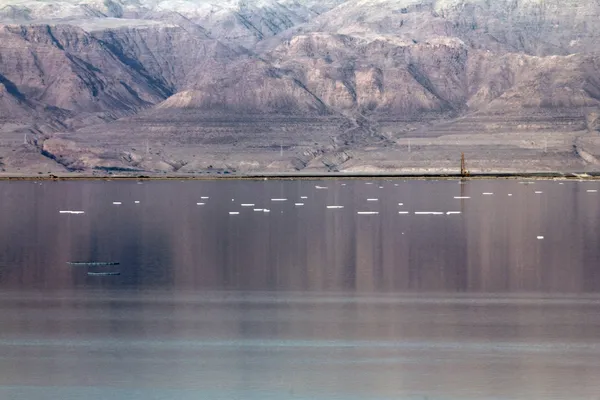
233 212
461 197
298 204
247 205
117 203
320 187
367 212
335 207
71 212
199 204
278 199
429 213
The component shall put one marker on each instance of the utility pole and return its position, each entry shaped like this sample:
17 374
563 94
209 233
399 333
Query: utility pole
463 166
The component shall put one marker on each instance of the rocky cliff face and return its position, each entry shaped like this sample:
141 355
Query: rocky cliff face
349 81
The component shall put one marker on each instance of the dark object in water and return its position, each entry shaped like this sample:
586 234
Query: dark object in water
94 264
103 273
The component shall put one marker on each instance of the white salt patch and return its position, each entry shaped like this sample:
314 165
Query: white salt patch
321 187
137 202
367 212
278 199
204 197
403 212
372 199
258 209
71 212
461 197
539 192
380 187
540 237
335 207
233 212
453 212
298 204
117 203
304 197
488 194
592 191
199 204
266 210
510 194
561 183
395 184
428 213
368 183
247 205
400 204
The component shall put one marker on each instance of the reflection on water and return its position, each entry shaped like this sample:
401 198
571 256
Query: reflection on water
302 302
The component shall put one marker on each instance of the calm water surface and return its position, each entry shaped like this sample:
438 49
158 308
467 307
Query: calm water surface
496 295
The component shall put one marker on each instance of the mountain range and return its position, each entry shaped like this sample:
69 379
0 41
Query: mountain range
266 86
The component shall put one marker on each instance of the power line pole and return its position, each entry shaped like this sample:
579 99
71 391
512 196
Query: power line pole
463 165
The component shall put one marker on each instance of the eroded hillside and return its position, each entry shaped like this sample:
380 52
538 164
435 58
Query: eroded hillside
253 86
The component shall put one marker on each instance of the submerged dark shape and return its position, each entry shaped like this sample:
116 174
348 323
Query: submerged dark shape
91 263
103 273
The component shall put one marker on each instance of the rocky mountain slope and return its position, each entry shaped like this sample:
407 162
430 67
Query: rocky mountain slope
201 86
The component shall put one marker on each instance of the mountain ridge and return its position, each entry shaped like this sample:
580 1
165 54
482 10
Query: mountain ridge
351 81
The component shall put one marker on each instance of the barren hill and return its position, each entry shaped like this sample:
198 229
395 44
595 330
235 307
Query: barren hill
202 86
